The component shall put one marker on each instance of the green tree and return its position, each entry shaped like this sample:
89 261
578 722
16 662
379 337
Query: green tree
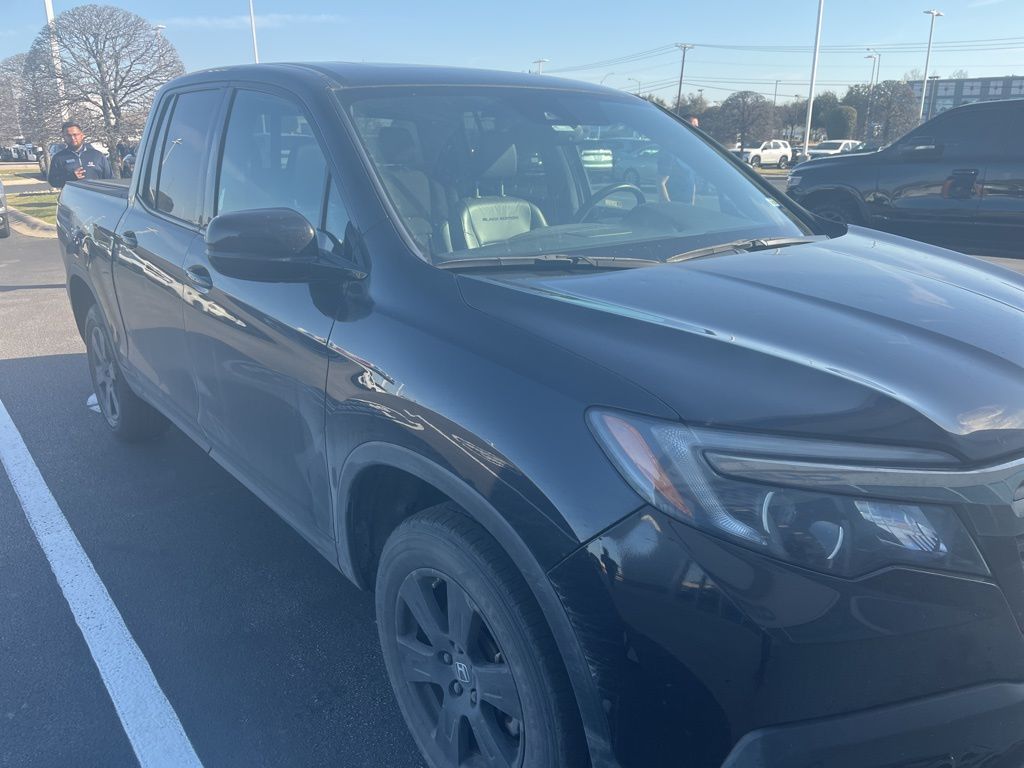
890 111
824 103
746 115
842 122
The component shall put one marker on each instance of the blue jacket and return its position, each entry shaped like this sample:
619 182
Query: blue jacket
64 163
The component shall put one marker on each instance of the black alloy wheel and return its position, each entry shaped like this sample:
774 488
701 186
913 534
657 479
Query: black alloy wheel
783 163
755 161
129 417
474 668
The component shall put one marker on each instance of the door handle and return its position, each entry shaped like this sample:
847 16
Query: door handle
129 240
199 276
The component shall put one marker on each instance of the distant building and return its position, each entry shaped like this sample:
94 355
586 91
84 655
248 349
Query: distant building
946 94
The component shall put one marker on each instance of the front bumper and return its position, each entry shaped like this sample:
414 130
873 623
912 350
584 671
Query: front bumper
982 726
705 650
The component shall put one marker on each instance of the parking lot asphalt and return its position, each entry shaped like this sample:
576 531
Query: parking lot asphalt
268 656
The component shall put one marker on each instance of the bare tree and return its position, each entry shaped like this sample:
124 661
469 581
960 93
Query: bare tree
747 115
11 90
113 63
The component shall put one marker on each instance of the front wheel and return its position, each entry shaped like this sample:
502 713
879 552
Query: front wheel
755 161
129 417
472 662
783 163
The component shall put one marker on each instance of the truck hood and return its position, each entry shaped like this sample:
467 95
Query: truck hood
865 337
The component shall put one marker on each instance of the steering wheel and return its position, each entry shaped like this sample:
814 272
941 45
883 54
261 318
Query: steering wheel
601 194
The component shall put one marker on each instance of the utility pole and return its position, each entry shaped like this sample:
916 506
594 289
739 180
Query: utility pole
55 54
252 24
775 98
684 47
540 65
637 84
927 60
814 76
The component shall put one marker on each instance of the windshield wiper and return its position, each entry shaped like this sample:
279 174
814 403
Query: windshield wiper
548 260
744 246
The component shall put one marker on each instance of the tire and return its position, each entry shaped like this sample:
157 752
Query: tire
837 209
128 416
755 161
474 667
783 163
5 231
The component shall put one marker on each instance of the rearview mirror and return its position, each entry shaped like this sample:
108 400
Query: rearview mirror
262 244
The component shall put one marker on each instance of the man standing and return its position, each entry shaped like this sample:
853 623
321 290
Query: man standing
77 160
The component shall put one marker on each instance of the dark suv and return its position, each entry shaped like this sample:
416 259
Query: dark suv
956 181
640 478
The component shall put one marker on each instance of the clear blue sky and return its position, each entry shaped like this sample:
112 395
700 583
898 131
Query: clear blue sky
478 34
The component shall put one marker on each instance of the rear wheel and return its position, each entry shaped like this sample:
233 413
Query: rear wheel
5 230
473 665
783 163
129 417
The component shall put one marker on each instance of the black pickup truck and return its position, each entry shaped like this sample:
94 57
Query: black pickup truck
642 479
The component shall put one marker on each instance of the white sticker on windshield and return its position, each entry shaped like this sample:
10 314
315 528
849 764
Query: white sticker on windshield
567 128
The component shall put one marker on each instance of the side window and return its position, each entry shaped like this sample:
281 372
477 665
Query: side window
336 223
959 135
181 157
271 158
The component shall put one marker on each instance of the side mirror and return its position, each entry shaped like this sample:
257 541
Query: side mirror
271 244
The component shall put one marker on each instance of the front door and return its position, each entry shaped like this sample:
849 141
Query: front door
930 182
260 348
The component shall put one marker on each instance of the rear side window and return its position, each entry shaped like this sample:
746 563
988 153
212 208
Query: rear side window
271 158
962 135
180 161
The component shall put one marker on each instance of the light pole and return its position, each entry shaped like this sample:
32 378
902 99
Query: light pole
252 24
684 47
58 70
931 107
605 78
927 60
637 84
875 61
814 76
540 65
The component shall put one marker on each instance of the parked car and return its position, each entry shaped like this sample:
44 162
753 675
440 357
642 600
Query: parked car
6 154
5 221
636 483
837 147
639 166
956 181
597 158
773 152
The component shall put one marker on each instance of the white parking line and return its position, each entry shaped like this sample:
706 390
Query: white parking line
149 721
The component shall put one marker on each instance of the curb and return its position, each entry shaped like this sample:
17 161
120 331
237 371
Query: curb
24 224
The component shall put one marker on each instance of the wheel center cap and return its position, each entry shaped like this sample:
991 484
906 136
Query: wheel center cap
463 672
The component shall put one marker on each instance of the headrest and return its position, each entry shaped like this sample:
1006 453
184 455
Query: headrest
497 158
396 145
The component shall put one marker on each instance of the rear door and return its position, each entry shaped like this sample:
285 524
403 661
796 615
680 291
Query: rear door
153 240
260 348
1001 214
930 182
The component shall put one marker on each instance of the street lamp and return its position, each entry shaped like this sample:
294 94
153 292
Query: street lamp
637 84
540 65
931 107
814 76
927 60
605 78
252 24
876 61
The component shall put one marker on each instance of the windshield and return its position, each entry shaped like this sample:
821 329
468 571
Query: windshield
477 172
829 145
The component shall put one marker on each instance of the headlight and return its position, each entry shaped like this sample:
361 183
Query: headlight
672 467
793 180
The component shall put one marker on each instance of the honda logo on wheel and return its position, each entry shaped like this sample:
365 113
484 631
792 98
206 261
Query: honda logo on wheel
463 672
